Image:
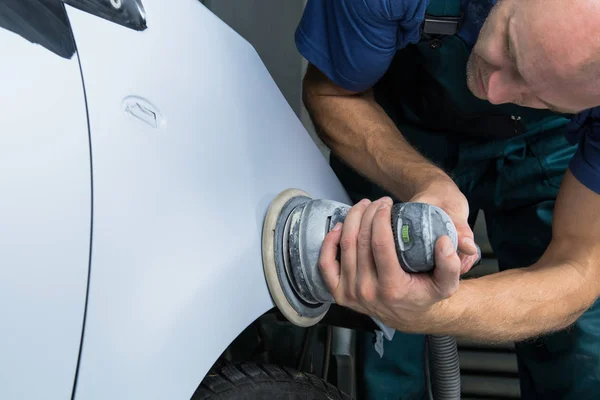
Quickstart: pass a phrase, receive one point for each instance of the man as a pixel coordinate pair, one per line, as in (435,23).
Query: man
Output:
(477,119)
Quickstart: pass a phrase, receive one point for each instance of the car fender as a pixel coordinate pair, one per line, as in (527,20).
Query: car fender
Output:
(191,140)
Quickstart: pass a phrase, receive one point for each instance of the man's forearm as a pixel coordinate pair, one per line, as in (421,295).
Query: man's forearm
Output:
(548,296)
(515,304)
(359,131)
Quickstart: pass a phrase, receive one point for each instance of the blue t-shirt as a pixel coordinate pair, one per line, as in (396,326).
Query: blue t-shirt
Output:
(353,42)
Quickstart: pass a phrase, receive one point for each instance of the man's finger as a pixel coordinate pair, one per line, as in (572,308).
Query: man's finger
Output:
(447,268)
(467,262)
(328,263)
(348,244)
(384,247)
(466,244)
(366,273)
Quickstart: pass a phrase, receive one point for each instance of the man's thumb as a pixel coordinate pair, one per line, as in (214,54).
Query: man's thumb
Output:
(447,268)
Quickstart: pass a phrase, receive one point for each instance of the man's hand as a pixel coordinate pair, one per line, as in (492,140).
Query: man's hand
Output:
(545,297)
(369,278)
(446,195)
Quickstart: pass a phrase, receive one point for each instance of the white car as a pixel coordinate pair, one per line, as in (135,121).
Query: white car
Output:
(141,143)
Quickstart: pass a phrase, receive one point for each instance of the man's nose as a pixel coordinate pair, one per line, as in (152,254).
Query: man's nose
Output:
(502,88)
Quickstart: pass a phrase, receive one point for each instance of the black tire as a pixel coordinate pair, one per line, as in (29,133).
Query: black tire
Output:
(253,382)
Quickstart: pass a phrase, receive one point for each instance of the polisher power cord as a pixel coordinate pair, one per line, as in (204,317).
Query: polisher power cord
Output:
(293,233)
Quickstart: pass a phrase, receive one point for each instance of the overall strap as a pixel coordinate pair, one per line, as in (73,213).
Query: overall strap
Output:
(442,17)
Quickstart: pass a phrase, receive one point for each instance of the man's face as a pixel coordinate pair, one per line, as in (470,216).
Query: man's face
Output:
(539,54)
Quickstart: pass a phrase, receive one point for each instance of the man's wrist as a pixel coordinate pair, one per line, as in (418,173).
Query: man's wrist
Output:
(432,180)
(407,183)
(437,179)
(440,319)
(437,319)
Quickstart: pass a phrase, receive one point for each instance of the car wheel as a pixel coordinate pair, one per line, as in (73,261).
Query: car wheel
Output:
(254,381)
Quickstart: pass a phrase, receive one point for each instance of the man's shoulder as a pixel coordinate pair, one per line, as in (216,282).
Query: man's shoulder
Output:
(353,41)
(584,127)
(396,10)
(584,130)
(583,121)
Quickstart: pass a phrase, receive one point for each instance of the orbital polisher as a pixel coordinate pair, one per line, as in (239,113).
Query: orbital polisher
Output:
(293,233)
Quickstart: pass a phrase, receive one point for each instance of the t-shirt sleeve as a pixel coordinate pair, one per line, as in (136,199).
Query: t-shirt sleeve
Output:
(585,165)
(353,41)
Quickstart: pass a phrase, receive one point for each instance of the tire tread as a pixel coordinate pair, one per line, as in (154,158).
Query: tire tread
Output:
(227,377)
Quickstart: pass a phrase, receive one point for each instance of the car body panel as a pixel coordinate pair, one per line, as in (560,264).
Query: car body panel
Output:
(191,140)
(45,212)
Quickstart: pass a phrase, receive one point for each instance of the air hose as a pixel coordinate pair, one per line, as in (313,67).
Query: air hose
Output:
(442,369)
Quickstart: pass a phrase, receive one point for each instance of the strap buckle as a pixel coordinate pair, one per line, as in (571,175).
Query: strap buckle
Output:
(433,25)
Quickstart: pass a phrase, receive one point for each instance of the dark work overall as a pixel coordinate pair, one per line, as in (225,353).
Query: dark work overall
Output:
(509,161)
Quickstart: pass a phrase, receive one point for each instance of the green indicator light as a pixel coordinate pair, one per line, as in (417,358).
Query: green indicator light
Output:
(405,235)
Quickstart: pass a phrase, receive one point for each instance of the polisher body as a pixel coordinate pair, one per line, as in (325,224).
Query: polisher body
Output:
(416,227)
(299,228)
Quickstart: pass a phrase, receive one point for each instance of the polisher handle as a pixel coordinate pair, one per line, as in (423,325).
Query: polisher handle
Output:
(417,227)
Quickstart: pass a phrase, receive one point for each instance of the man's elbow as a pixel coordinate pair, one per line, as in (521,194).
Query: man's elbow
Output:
(312,102)
(318,92)
(314,86)
(584,265)
(309,93)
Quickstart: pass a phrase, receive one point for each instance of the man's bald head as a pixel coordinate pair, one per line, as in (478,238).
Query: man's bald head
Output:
(540,54)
